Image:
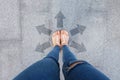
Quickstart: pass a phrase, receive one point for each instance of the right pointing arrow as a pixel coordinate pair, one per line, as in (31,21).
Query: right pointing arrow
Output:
(79,47)
(77,30)
(60,18)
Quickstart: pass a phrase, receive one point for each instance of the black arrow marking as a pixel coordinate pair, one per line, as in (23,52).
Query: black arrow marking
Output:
(79,47)
(77,30)
(42,47)
(42,29)
(60,18)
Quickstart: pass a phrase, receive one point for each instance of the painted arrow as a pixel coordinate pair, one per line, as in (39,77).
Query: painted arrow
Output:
(77,30)
(42,47)
(60,18)
(43,29)
(79,47)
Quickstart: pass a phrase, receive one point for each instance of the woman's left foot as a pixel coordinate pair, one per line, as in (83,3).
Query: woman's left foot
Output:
(56,38)
(64,37)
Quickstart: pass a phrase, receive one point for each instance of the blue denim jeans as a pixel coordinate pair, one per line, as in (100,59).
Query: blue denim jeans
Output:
(73,69)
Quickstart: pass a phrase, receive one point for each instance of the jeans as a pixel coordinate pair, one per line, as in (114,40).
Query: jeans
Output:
(73,69)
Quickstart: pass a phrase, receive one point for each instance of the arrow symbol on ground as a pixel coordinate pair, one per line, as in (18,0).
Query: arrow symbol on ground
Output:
(43,29)
(79,47)
(60,18)
(77,30)
(42,47)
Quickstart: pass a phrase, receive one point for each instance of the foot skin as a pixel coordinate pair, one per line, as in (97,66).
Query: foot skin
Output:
(56,38)
(64,37)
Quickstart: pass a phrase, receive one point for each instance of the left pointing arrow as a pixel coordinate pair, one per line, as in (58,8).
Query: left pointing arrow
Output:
(43,29)
(42,47)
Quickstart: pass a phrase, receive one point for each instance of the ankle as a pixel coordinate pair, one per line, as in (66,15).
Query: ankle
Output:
(64,44)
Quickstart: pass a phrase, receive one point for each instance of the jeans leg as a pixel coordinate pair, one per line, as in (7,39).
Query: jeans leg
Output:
(54,54)
(45,69)
(68,58)
(82,70)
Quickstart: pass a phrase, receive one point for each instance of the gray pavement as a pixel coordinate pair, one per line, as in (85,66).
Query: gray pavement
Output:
(21,36)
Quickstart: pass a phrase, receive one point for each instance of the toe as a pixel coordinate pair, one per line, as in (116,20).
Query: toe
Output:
(62,32)
(65,32)
(53,35)
(58,32)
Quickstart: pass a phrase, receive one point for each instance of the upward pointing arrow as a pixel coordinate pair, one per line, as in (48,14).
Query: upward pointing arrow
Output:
(60,18)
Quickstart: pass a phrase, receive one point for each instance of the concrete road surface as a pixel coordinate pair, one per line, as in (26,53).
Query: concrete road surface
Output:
(20,39)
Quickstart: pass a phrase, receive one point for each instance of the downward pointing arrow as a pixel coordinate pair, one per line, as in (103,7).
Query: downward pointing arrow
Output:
(79,47)
(60,18)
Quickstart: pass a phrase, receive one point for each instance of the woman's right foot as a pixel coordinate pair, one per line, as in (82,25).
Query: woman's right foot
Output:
(64,37)
(56,38)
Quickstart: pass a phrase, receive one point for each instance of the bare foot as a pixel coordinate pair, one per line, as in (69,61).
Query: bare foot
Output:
(64,37)
(56,38)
